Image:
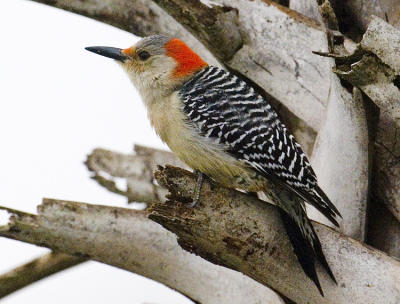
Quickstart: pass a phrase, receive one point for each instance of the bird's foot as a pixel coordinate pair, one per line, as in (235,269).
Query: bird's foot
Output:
(197,190)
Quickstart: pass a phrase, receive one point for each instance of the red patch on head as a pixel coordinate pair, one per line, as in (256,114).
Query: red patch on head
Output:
(188,61)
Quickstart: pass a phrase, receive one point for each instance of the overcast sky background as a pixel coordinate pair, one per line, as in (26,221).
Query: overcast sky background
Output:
(58,103)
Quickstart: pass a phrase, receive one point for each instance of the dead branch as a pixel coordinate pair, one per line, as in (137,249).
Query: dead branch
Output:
(375,68)
(272,36)
(245,234)
(272,45)
(340,159)
(228,228)
(139,17)
(36,270)
(125,238)
(341,153)
(137,169)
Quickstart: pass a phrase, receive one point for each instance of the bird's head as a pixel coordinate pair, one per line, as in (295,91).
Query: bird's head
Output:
(155,62)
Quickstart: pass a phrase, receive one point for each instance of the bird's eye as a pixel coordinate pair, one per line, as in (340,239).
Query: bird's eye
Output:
(144,55)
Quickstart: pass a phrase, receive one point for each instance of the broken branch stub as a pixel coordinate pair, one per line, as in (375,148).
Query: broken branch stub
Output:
(136,169)
(377,70)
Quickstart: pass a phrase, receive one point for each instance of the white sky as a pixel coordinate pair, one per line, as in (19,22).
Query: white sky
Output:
(57,103)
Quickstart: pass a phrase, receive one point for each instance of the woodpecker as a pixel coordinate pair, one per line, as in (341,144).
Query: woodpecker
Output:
(220,125)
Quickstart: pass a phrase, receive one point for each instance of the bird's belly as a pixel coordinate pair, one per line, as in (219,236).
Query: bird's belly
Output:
(198,152)
(208,158)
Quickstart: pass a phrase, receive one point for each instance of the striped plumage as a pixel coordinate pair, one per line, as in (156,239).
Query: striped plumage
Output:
(223,126)
(227,110)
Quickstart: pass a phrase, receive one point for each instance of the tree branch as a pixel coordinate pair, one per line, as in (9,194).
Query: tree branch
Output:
(139,17)
(271,37)
(245,234)
(137,170)
(341,160)
(387,165)
(383,229)
(308,8)
(375,68)
(125,238)
(341,153)
(36,270)
(227,227)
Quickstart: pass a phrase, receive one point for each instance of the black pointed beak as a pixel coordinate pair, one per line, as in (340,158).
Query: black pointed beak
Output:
(109,52)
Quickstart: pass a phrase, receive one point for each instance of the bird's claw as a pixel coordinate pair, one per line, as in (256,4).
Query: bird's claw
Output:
(197,190)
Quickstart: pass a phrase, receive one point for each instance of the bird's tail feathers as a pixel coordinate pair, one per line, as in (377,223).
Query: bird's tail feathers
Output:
(326,201)
(315,197)
(318,199)
(306,244)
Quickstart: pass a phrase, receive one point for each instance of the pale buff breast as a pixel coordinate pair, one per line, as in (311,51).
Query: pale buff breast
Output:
(197,151)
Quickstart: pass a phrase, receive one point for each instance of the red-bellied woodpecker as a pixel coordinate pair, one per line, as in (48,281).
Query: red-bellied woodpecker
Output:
(220,125)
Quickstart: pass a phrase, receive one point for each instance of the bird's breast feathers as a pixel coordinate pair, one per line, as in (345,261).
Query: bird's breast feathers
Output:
(197,151)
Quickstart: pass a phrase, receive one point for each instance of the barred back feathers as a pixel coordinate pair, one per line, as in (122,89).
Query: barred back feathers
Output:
(227,110)
(221,125)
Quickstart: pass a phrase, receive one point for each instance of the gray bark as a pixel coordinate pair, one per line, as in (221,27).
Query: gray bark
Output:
(228,228)
(277,54)
(36,270)
(308,8)
(340,160)
(375,69)
(342,172)
(127,239)
(234,246)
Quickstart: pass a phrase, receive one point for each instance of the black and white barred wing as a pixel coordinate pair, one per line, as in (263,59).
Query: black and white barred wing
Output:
(228,110)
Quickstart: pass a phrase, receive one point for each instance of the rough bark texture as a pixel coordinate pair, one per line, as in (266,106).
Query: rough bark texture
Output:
(216,26)
(375,69)
(387,165)
(277,54)
(227,227)
(136,169)
(230,228)
(127,239)
(384,217)
(375,66)
(342,172)
(381,42)
(246,234)
(36,270)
